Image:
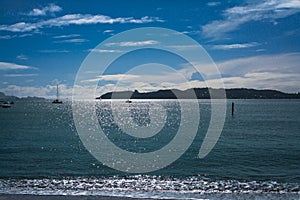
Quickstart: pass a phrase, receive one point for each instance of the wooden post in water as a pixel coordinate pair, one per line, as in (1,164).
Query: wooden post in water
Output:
(232,109)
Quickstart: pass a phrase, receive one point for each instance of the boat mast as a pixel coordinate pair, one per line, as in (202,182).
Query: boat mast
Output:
(57,91)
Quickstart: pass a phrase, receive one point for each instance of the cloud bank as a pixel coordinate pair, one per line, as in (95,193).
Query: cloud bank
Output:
(75,19)
(50,9)
(13,66)
(268,10)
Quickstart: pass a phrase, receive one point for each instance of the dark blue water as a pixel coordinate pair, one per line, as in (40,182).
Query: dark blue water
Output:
(258,152)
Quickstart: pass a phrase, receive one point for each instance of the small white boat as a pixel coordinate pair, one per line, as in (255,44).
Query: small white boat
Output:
(6,105)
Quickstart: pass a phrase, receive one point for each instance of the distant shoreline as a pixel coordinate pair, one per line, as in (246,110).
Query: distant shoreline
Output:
(199,93)
(212,196)
(65,197)
(202,93)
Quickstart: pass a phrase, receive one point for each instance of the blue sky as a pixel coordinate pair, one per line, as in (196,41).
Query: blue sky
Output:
(255,44)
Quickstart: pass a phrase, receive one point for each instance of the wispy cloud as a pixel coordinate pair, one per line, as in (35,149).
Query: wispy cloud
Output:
(66,36)
(75,40)
(108,31)
(6,37)
(13,66)
(268,10)
(113,77)
(133,43)
(183,47)
(53,51)
(235,46)
(213,3)
(75,19)
(105,50)
(50,9)
(20,75)
(22,57)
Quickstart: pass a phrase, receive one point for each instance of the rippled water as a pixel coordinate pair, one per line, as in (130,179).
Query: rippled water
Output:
(258,152)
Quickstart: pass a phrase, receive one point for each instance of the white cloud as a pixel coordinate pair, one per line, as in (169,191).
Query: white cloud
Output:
(235,46)
(75,19)
(183,47)
(66,36)
(108,31)
(19,75)
(268,10)
(50,9)
(53,51)
(214,3)
(75,40)
(21,27)
(288,4)
(8,37)
(48,91)
(70,38)
(133,43)
(25,35)
(106,50)
(114,77)
(22,57)
(139,43)
(13,66)
(24,91)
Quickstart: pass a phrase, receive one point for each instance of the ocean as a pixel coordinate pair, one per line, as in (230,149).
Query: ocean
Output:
(256,157)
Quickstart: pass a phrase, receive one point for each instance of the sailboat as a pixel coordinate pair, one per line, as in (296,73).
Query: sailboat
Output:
(57,101)
(128,100)
(6,104)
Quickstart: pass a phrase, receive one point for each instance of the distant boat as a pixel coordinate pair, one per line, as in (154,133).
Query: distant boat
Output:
(57,101)
(6,105)
(128,101)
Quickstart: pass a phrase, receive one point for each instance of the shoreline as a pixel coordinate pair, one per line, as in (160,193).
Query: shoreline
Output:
(214,196)
(68,197)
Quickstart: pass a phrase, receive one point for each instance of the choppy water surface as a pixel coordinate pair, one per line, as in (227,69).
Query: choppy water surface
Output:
(258,152)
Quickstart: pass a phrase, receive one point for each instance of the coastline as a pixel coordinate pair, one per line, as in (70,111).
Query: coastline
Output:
(214,196)
(66,197)
(58,197)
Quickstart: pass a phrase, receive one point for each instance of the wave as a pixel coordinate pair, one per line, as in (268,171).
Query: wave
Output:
(143,186)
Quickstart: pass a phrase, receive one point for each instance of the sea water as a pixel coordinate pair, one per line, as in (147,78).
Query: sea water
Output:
(256,156)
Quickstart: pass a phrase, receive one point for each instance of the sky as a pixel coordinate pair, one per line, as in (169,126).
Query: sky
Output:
(254,44)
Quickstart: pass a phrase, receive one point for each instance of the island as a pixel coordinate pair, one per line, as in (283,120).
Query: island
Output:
(202,93)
